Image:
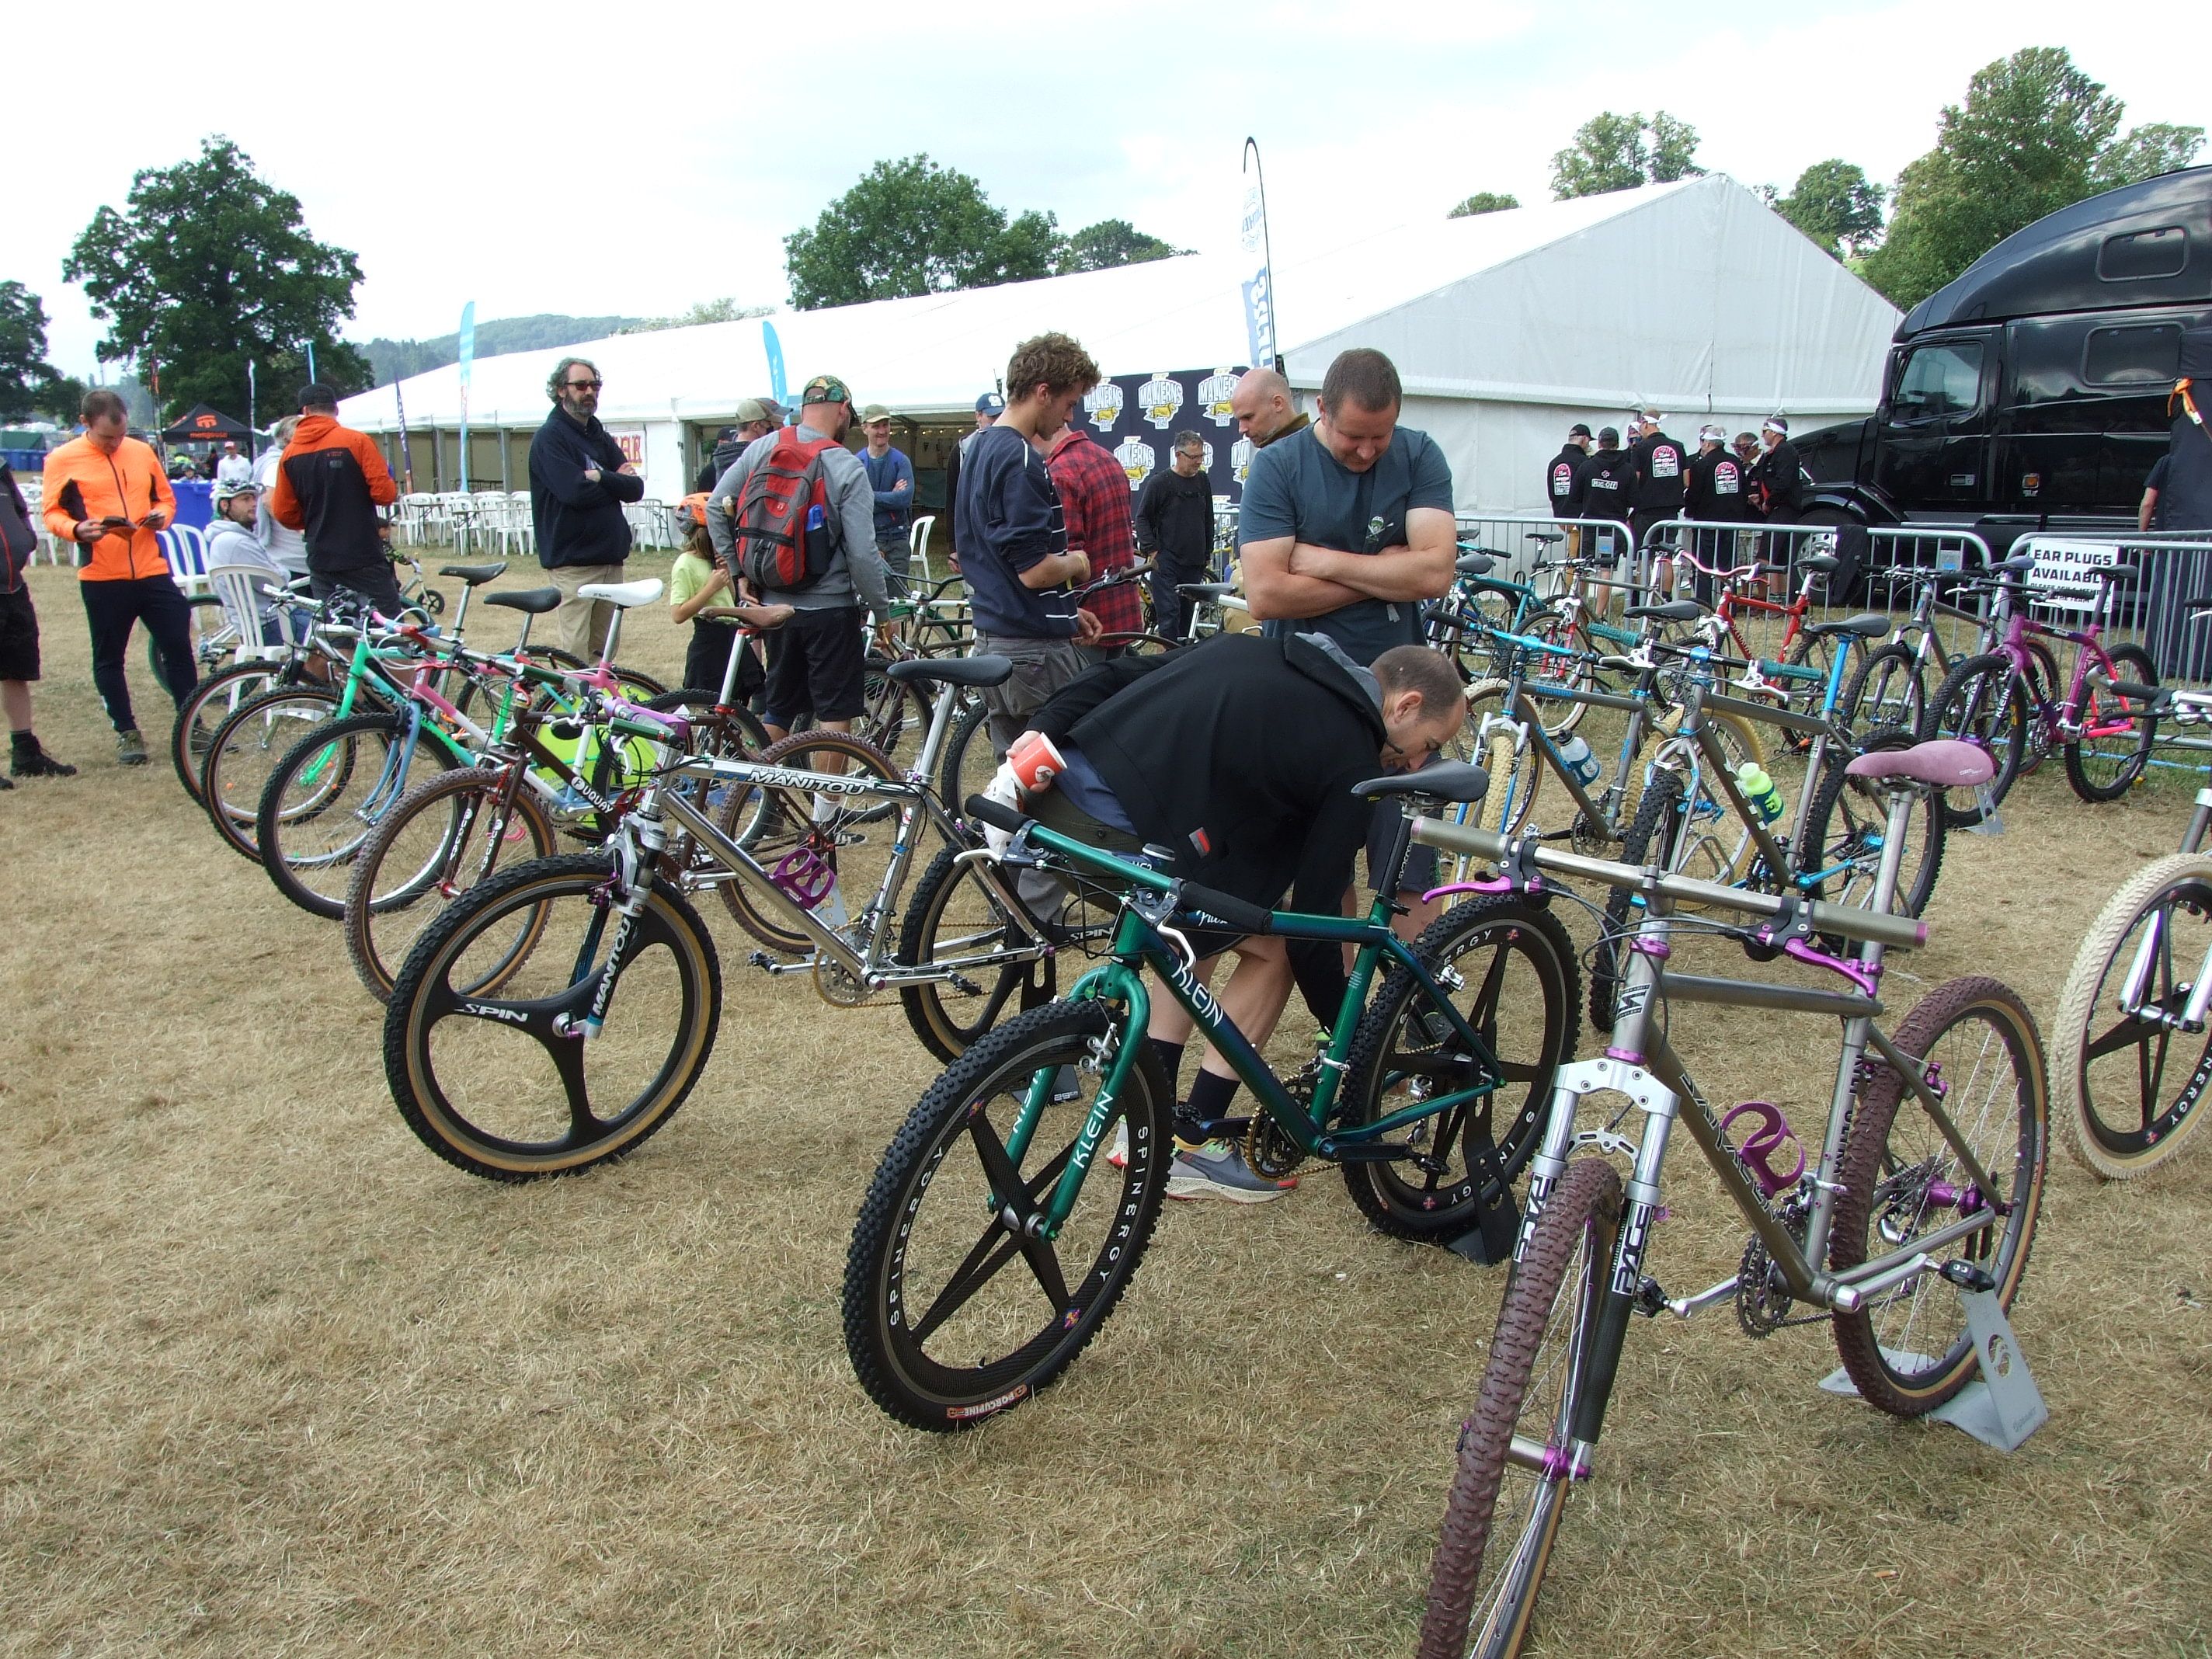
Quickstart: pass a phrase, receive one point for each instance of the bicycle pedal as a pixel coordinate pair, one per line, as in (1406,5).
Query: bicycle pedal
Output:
(1967,1276)
(1366,1151)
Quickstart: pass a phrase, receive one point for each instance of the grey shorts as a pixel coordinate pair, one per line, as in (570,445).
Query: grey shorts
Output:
(1041,668)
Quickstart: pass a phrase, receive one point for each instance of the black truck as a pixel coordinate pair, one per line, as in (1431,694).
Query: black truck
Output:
(2030,393)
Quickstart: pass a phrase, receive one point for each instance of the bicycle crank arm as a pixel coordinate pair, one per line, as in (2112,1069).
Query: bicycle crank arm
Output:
(1686,1307)
(769,964)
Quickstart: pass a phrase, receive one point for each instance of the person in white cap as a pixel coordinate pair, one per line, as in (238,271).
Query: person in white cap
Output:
(1712,492)
(1657,494)
(1776,484)
(233,469)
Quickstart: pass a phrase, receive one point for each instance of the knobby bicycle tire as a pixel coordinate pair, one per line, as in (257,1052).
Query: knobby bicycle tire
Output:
(310,827)
(224,690)
(1888,691)
(2103,769)
(1982,701)
(966,767)
(1569,1252)
(398,887)
(242,750)
(1838,851)
(950,1014)
(1898,1175)
(1649,842)
(481,1096)
(902,1289)
(2130,1088)
(1521,991)
(794,829)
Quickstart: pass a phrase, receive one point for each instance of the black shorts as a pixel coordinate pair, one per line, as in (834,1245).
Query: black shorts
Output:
(816,660)
(19,636)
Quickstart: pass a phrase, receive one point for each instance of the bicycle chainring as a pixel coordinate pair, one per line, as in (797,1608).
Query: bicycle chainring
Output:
(835,985)
(1272,1153)
(1763,1301)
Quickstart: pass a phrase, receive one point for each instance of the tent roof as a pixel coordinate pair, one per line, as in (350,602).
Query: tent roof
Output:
(201,422)
(1636,293)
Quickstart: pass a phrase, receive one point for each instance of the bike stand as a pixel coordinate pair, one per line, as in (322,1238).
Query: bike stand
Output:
(1490,1241)
(2002,1407)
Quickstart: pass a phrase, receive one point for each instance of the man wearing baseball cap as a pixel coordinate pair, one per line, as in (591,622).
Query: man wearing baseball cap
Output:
(988,408)
(1712,492)
(1657,494)
(756,416)
(1559,472)
(891,475)
(816,659)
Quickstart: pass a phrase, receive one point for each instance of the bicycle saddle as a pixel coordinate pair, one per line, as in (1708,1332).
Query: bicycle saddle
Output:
(1474,564)
(1825,564)
(1672,610)
(1206,590)
(535,600)
(1443,780)
(1866,625)
(196,600)
(474,575)
(623,594)
(1547,536)
(1944,761)
(2114,572)
(952,670)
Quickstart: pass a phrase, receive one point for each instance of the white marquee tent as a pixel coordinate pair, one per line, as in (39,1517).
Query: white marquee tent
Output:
(1505,327)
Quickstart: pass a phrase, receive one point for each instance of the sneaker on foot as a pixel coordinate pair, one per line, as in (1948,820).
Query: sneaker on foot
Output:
(130,749)
(1214,1169)
(5,784)
(1119,1158)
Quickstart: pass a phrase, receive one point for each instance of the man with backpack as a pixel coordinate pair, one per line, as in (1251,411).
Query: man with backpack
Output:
(794,518)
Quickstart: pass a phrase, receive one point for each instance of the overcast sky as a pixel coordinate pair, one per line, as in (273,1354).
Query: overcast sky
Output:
(626,159)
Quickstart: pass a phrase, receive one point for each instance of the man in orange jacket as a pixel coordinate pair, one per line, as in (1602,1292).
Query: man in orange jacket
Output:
(329,485)
(107,492)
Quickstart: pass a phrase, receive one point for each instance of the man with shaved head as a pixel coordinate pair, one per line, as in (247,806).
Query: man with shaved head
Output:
(1262,406)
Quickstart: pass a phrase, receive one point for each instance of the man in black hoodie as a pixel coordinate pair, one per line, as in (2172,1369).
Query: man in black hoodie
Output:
(577,492)
(1240,753)
(757,418)
(1559,472)
(1603,483)
(1659,462)
(1174,530)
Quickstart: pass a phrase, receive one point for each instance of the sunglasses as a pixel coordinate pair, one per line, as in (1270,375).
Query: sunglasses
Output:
(583,385)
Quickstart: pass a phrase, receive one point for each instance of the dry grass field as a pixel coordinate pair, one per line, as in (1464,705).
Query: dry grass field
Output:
(278,1382)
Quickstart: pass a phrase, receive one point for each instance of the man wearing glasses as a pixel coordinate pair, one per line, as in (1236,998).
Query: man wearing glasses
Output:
(579,484)
(1174,530)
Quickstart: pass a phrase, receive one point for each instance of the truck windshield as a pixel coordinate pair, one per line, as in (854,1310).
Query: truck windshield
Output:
(1941,379)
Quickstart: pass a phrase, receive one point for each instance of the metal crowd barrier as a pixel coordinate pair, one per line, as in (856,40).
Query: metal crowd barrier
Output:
(1504,536)
(2151,611)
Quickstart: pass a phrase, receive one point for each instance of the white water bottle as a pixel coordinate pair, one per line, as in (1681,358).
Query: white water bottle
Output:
(1579,760)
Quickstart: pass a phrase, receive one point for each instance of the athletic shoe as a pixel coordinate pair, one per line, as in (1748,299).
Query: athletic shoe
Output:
(1214,1169)
(5,784)
(130,749)
(1119,1158)
(29,760)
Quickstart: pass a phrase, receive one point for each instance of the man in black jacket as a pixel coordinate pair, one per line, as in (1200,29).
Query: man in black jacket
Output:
(757,418)
(1240,753)
(1776,484)
(1712,492)
(1657,497)
(1559,472)
(1174,530)
(1603,483)
(577,488)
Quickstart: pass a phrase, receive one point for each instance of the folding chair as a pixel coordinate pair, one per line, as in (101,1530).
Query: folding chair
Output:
(918,546)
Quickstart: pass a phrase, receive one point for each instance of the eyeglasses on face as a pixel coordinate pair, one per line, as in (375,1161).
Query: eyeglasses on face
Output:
(582,386)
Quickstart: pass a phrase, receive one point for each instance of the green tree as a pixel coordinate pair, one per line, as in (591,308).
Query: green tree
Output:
(912,226)
(725,310)
(60,398)
(1614,152)
(2035,135)
(1833,202)
(209,267)
(1483,201)
(24,371)
(1112,242)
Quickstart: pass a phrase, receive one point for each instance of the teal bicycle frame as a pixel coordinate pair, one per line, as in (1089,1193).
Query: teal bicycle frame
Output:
(1143,938)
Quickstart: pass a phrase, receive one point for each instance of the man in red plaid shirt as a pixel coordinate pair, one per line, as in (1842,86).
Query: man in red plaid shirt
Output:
(1094,499)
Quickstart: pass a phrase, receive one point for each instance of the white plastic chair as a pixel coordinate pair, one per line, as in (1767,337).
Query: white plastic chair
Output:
(524,524)
(239,586)
(186,550)
(917,544)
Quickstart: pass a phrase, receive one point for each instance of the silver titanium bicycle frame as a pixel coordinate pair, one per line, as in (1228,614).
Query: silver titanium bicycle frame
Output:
(1642,1065)
(647,827)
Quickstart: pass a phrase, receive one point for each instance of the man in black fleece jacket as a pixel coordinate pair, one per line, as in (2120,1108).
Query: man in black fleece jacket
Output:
(1174,530)
(577,492)
(1240,753)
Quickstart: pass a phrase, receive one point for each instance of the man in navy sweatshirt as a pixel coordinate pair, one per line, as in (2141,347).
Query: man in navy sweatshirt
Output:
(577,491)
(1013,538)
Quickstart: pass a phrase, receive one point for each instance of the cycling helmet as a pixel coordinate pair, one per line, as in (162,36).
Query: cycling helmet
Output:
(694,508)
(223,492)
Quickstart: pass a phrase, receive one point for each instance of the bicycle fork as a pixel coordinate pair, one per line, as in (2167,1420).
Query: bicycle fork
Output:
(628,887)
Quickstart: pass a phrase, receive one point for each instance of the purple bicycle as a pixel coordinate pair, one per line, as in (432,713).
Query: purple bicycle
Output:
(2004,700)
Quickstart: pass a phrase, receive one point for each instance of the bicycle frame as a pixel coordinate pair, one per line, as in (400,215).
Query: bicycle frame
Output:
(1144,938)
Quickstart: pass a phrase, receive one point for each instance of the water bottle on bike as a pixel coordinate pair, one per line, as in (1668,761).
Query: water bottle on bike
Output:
(1759,791)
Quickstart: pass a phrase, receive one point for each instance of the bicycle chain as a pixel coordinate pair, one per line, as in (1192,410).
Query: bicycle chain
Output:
(1274,1155)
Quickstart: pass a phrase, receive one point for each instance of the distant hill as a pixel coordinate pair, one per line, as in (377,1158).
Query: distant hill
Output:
(395,359)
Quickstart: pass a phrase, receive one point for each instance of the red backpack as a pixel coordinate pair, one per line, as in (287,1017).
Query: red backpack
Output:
(785,535)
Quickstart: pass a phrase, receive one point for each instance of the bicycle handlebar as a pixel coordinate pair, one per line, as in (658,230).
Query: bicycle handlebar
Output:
(1904,931)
